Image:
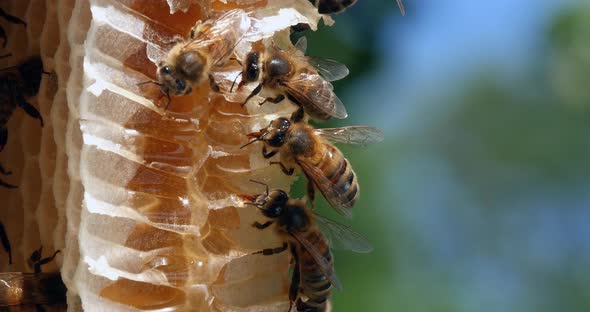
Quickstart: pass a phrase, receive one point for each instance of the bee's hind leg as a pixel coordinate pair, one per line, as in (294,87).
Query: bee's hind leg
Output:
(3,137)
(5,242)
(29,109)
(11,18)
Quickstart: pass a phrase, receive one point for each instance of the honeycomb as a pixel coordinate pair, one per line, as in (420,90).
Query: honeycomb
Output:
(141,201)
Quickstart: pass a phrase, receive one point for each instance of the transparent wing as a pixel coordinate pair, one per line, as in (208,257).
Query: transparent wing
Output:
(312,89)
(343,236)
(301,45)
(357,135)
(323,264)
(328,189)
(330,70)
(220,36)
(400,4)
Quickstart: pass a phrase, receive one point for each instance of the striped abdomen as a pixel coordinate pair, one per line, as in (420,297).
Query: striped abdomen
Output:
(340,186)
(314,285)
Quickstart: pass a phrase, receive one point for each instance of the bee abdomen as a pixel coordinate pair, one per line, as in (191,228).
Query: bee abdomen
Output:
(343,179)
(315,285)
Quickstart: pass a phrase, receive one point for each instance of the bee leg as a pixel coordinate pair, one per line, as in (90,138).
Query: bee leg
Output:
(11,18)
(45,261)
(272,251)
(254,92)
(3,137)
(267,154)
(285,170)
(295,279)
(4,171)
(3,37)
(298,115)
(28,108)
(6,185)
(213,84)
(277,99)
(262,226)
(5,242)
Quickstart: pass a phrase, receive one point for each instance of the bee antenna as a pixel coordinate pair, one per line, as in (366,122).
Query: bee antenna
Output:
(149,81)
(261,183)
(169,100)
(255,140)
(233,83)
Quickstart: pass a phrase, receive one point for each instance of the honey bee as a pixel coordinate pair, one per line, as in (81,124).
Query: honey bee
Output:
(311,150)
(29,290)
(16,83)
(304,80)
(308,237)
(337,6)
(189,62)
(11,19)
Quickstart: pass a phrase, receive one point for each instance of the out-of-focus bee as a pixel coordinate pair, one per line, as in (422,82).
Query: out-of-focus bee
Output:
(17,83)
(210,44)
(309,237)
(30,290)
(5,242)
(10,19)
(337,6)
(304,80)
(322,163)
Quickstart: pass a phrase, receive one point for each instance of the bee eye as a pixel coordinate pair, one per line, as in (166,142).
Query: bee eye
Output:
(166,70)
(180,85)
(274,211)
(277,140)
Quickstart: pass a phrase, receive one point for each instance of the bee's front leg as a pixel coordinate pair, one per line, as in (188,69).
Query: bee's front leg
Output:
(268,154)
(262,226)
(272,251)
(285,170)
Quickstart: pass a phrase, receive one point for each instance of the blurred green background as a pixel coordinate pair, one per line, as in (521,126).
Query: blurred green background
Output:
(478,200)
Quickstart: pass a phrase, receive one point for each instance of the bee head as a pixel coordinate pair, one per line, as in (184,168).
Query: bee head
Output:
(277,131)
(170,82)
(251,67)
(273,203)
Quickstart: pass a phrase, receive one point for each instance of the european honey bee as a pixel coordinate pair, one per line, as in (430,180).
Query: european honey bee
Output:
(311,149)
(11,19)
(190,62)
(29,290)
(304,80)
(304,233)
(337,6)
(16,83)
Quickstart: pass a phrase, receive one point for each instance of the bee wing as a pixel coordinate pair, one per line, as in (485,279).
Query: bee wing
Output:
(222,36)
(357,135)
(343,236)
(327,187)
(301,45)
(312,88)
(400,4)
(323,264)
(330,70)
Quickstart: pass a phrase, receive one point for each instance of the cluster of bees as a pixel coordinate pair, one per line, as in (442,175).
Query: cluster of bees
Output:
(304,81)
(17,83)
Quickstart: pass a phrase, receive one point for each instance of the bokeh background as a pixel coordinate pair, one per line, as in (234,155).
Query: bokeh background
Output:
(478,200)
